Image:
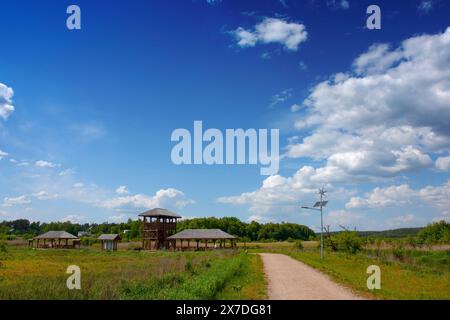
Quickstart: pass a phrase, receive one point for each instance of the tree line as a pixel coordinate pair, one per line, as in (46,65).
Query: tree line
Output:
(131,230)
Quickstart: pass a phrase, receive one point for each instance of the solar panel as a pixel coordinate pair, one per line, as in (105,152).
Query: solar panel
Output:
(317,204)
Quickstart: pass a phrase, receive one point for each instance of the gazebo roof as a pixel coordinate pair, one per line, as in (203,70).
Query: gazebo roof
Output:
(57,235)
(113,236)
(200,234)
(158,212)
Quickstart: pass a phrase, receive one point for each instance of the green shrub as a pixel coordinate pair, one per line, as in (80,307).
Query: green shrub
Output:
(347,241)
(3,247)
(88,241)
(298,245)
(399,253)
(436,233)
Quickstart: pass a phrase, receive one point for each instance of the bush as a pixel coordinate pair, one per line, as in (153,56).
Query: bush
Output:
(88,241)
(436,233)
(399,253)
(3,247)
(298,245)
(347,241)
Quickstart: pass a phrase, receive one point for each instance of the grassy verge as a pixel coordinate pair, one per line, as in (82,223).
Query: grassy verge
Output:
(41,274)
(250,284)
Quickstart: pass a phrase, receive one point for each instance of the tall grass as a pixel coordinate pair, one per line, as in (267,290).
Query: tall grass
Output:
(41,274)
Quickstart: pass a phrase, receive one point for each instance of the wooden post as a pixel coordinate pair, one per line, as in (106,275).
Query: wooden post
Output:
(197,244)
(189,244)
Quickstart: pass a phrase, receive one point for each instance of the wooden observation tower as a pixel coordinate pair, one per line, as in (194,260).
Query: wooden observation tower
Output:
(157,226)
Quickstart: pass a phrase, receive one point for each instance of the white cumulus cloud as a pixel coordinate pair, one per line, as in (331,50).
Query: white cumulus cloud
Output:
(6,107)
(443,163)
(386,116)
(45,164)
(163,198)
(122,190)
(3,154)
(402,195)
(272,30)
(20,200)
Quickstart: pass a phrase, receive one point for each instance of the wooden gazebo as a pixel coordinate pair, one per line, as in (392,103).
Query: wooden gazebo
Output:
(158,224)
(201,237)
(55,240)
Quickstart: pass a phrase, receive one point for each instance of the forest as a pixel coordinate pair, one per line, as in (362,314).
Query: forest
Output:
(131,229)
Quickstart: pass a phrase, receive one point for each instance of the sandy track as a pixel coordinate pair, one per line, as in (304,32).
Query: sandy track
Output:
(290,279)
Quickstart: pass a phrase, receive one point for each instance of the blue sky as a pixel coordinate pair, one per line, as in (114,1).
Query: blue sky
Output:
(86,115)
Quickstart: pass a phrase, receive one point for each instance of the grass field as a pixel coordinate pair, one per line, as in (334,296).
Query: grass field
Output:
(220,274)
(410,274)
(41,274)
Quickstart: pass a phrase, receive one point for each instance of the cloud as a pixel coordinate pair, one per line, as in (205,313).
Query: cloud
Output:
(387,116)
(377,59)
(45,164)
(284,3)
(443,163)
(67,172)
(344,4)
(295,107)
(302,66)
(425,6)
(163,198)
(280,97)
(122,190)
(43,195)
(118,219)
(266,56)
(384,197)
(213,2)
(73,218)
(259,219)
(280,194)
(272,30)
(338,4)
(6,107)
(3,154)
(20,200)
(403,195)
(21,163)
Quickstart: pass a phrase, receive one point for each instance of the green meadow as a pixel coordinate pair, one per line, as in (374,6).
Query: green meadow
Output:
(41,274)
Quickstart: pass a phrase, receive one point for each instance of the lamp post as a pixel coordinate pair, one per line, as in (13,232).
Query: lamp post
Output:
(318,206)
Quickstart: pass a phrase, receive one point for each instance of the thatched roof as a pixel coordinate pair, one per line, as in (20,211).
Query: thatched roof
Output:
(202,234)
(57,235)
(113,236)
(158,212)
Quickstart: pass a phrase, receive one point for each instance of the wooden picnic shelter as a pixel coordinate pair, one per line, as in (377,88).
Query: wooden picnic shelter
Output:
(201,238)
(55,240)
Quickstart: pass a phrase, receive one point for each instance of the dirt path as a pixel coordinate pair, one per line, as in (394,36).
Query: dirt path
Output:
(290,279)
